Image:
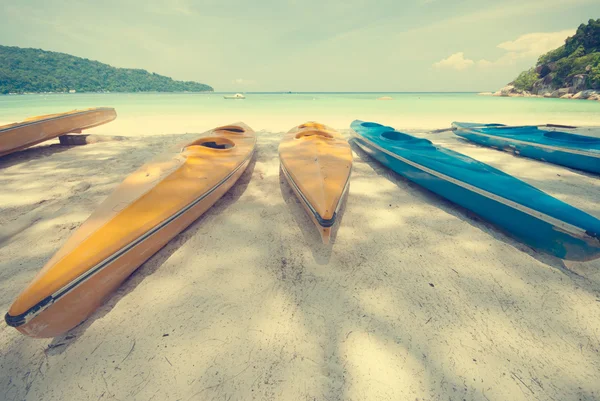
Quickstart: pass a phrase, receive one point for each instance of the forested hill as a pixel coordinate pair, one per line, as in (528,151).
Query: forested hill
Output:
(569,69)
(35,70)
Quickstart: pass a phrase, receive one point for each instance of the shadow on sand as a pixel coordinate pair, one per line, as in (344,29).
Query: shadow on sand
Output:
(461,213)
(59,344)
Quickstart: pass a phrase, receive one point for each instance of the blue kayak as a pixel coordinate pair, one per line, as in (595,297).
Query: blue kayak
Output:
(571,150)
(532,216)
(457,125)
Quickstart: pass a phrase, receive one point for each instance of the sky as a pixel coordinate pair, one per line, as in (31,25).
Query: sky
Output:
(305,45)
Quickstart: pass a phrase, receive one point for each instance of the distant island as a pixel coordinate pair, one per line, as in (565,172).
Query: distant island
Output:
(570,72)
(34,71)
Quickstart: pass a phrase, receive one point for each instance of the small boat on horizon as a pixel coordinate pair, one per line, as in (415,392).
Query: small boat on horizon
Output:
(528,214)
(236,96)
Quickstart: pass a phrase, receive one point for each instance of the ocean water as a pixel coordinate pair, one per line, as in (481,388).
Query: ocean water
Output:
(157,112)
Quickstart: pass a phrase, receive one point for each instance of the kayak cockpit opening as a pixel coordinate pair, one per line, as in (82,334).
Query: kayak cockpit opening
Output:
(323,134)
(410,140)
(313,124)
(565,136)
(371,125)
(313,128)
(396,136)
(232,129)
(217,143)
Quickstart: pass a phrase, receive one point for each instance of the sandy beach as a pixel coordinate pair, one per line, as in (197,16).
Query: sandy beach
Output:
(416,299)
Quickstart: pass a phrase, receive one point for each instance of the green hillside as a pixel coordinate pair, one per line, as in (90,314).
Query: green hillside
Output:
(35,70)
(574,65)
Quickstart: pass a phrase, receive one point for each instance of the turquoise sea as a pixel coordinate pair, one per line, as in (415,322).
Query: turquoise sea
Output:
(280,111)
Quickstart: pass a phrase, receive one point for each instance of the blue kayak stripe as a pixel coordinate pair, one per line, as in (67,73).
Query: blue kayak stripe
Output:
(574,230)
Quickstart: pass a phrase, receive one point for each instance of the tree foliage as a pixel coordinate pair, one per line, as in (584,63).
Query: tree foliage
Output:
(585,41)
(526,79)
(35,70)
(579,55)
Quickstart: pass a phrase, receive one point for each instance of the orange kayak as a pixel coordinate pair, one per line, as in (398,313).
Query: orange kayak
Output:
(146,211)
(34,130)
(316,161)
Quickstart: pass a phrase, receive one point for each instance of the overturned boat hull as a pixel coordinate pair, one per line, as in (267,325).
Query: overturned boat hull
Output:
(17,136)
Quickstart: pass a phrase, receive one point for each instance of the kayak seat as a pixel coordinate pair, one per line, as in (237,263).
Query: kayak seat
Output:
(397,136)
(564,136)
(371,125)
(217,143)
(409,140)
(311,132)
(231,129)
(312,124)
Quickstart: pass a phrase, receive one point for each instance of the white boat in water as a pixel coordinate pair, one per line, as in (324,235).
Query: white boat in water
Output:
(236,96)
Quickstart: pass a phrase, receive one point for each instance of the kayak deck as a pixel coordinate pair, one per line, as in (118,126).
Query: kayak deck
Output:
(317,161)
(151,206)
(472,184)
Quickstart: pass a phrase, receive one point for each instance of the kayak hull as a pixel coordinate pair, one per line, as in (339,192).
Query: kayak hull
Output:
(585,158)
(522,223)
(18,136)
(316,162)
(57,314)
(465,125)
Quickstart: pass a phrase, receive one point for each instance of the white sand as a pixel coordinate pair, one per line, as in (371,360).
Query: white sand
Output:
(415,300)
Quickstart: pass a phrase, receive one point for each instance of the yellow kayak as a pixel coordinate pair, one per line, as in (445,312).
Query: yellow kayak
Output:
(34,130)
(316,161)
(147,210)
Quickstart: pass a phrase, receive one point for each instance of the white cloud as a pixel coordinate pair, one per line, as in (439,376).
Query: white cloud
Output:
(528,46)
(536,44)
(457,61)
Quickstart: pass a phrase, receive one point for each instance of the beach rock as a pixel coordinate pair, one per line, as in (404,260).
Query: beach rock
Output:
(594,96)
(542,70)
(567,96)
(485,93)
(586,94)
(541,86)
(507,90)
(579,82)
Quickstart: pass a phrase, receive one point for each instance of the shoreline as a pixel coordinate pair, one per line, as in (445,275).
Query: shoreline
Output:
(562,93)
